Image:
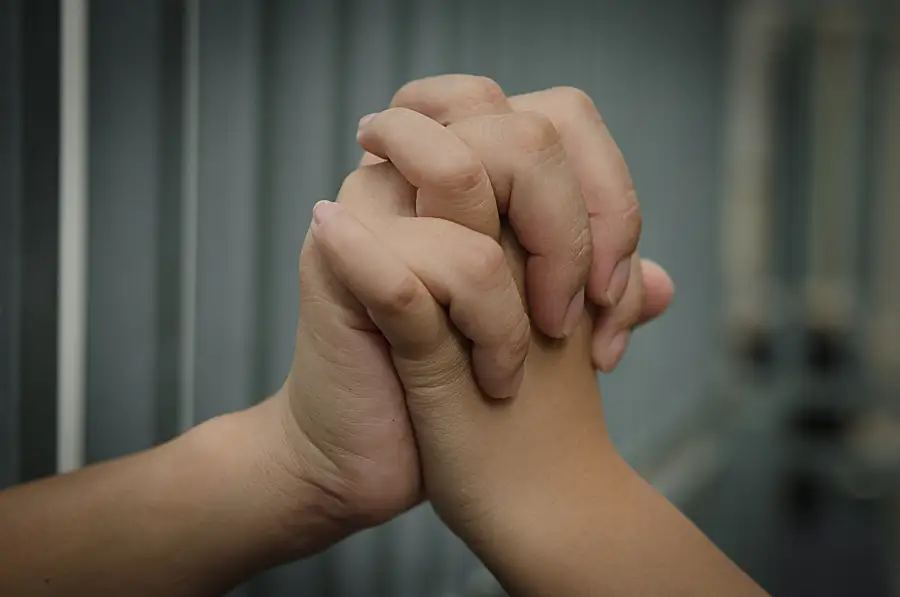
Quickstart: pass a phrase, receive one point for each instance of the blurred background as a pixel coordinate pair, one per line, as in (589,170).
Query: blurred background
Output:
(159,160)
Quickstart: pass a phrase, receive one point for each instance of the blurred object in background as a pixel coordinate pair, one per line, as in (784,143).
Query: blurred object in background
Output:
(758,44)
(764,140)
(883,329)
(837,116)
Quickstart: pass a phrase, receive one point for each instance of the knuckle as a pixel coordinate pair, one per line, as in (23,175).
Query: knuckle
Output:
(401,296)
(575,102)
(459,172)
(483,261)
(482,90)
(408,91)
(469,92)
(533,132)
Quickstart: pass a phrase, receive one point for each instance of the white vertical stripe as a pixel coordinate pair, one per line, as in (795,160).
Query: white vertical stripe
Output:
(73,231)
(189,217)
(757,41)
(833,212)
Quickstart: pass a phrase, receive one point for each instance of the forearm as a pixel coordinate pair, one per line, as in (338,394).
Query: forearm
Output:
(604,531)
(192,517)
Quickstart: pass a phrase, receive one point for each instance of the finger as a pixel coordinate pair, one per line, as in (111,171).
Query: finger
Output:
(468,273)
(451,98)
(613,330)
(605,183)
(451,180)
(394,297)
(369,160)
(396,301)
(499,328)
(378,189)
(658,289)
(550,219)
(399,298)
(537,189)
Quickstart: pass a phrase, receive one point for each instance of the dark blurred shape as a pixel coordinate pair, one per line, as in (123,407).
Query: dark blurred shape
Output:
(29,137)
(802,498)
(822,423)
(757,349)
(826,352)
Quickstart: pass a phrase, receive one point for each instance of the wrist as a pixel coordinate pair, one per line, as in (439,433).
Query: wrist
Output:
(603,531)
(568,454)
(526,521)
(271,488)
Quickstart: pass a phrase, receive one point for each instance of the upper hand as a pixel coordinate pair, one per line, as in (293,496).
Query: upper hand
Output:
(631,291)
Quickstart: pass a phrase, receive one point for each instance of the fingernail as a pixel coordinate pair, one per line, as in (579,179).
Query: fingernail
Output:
(615,350)
(364,121)
(573,314)
(618,282)
(323,210)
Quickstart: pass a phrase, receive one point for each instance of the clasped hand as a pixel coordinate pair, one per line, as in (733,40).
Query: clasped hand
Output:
(439,353)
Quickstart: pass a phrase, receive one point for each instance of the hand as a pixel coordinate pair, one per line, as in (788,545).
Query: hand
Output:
(631,291)
(533,485)
(473,450)
(343,389)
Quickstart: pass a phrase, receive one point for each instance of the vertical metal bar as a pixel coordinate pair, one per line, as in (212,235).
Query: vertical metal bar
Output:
(263,349)
(127,147)
(170,145)
(342,153)
(189,218)
(39,147)
(10,237)
(73,234)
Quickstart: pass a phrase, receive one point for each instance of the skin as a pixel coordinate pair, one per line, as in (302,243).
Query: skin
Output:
(629,291)
(372,402)
(343,381)
(533,485)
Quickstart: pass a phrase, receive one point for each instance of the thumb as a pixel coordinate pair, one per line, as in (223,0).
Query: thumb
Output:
(659,290)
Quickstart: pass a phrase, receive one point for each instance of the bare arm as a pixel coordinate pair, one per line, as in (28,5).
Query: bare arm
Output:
(592,526)
(191,517)
(534,484)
